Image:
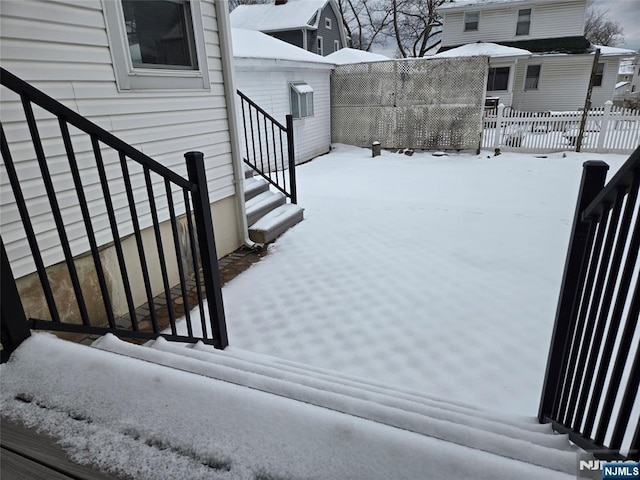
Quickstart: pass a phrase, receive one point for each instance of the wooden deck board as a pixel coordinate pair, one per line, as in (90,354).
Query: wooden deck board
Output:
(32,455)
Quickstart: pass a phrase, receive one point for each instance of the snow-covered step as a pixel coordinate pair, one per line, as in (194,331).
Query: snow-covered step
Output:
(275,223)
(248,171)
(262,204)
(468,428)
(254,186)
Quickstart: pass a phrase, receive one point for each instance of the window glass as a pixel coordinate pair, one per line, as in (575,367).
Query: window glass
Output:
(471,20)
(320,49)
(498,79)
(532,78)
(524,22)
(597,79)
(327,23)
(158,33)
(301,95)
(336,45)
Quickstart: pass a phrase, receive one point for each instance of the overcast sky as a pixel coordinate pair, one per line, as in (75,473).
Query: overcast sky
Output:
(627,13)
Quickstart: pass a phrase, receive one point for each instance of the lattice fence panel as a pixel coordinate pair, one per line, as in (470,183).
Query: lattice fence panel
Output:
(417,103)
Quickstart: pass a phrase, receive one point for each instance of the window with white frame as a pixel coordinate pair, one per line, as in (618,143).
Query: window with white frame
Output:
(336,45)
(327,23)
(524,22)
(157,44)
(471,21)
(532,77)
(319,46)
(301,95)
(599,75)
(498,79)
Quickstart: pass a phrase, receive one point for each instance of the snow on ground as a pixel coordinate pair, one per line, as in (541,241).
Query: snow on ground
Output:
(437,274)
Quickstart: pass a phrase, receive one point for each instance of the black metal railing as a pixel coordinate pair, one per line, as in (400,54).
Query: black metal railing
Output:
(269,147)
(139,184)
(593,370)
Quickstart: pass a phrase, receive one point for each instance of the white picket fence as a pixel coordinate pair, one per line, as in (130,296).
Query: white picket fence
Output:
(608,130)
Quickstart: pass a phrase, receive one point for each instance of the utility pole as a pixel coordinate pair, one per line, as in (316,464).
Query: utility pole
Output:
(587,101)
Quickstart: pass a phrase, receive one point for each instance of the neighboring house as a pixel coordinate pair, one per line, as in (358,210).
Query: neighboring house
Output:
(131,68)
(629,72)
(283,80)
(556,75)
(314,25)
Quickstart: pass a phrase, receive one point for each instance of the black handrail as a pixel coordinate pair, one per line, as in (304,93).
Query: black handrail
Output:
(262,135)
(200,244)
(596,319)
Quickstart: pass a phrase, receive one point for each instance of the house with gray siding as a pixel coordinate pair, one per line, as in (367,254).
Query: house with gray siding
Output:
(314,25)
(555,76)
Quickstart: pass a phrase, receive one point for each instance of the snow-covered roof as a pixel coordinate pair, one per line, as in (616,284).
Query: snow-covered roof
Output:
(352,55)
(252,44)
(270,17)
(612,51)
(492,50)
(621,84)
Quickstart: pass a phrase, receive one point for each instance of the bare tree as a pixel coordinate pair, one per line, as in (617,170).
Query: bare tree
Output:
(417,26)
(600,30)
(365,21)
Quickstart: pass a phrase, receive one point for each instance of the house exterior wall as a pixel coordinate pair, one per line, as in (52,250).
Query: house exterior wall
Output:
(63,48)
(266,82)
(294,37)
(329,36)
(498,24)
(563,83)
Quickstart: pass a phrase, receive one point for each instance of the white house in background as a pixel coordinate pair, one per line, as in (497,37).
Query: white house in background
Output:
(271,72)
(502,62)
(108,62)
(314,25)
(556,75)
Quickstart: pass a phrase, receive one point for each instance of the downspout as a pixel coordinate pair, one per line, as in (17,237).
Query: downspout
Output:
(226,54)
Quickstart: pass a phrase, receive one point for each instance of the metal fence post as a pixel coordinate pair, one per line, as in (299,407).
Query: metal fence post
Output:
(593,179)
(207,242)
(292,160)
(15,328)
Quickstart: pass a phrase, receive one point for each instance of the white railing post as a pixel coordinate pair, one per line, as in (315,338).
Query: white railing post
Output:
(604,126)
(498,130)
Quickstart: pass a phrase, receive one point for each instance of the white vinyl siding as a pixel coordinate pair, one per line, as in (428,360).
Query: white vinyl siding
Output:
(267,82)
(62,48)
(498,24)
(563,83)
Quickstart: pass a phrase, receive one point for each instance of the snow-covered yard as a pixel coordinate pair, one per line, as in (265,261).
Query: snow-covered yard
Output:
(438,274)
(429,274)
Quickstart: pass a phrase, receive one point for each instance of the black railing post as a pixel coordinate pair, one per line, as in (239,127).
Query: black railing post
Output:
(207,243)
(291,152)
(593,178)
(14,329)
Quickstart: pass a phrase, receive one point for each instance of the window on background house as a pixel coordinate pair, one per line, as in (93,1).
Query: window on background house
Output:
(320,46)
(498,79)
(532,77)
(157,44)
(597,79)
(524,22)
(336,45)
(327,23)
(301,96)
(471,21)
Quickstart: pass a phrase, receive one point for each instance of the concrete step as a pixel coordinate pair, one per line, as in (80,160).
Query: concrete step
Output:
(254,186)
(489,432)
(248,171)
(262,204)
(275,223)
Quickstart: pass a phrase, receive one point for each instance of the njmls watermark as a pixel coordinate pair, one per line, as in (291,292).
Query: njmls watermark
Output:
(606,467)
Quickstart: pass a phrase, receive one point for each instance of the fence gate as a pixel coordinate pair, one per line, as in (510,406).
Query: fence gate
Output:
(414,103)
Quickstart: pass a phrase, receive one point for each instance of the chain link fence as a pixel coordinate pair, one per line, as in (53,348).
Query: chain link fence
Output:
(414,103)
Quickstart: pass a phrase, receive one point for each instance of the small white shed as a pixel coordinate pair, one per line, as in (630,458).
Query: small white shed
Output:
(275,75)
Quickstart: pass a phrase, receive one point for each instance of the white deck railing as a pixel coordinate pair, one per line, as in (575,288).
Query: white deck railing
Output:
(607,130)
